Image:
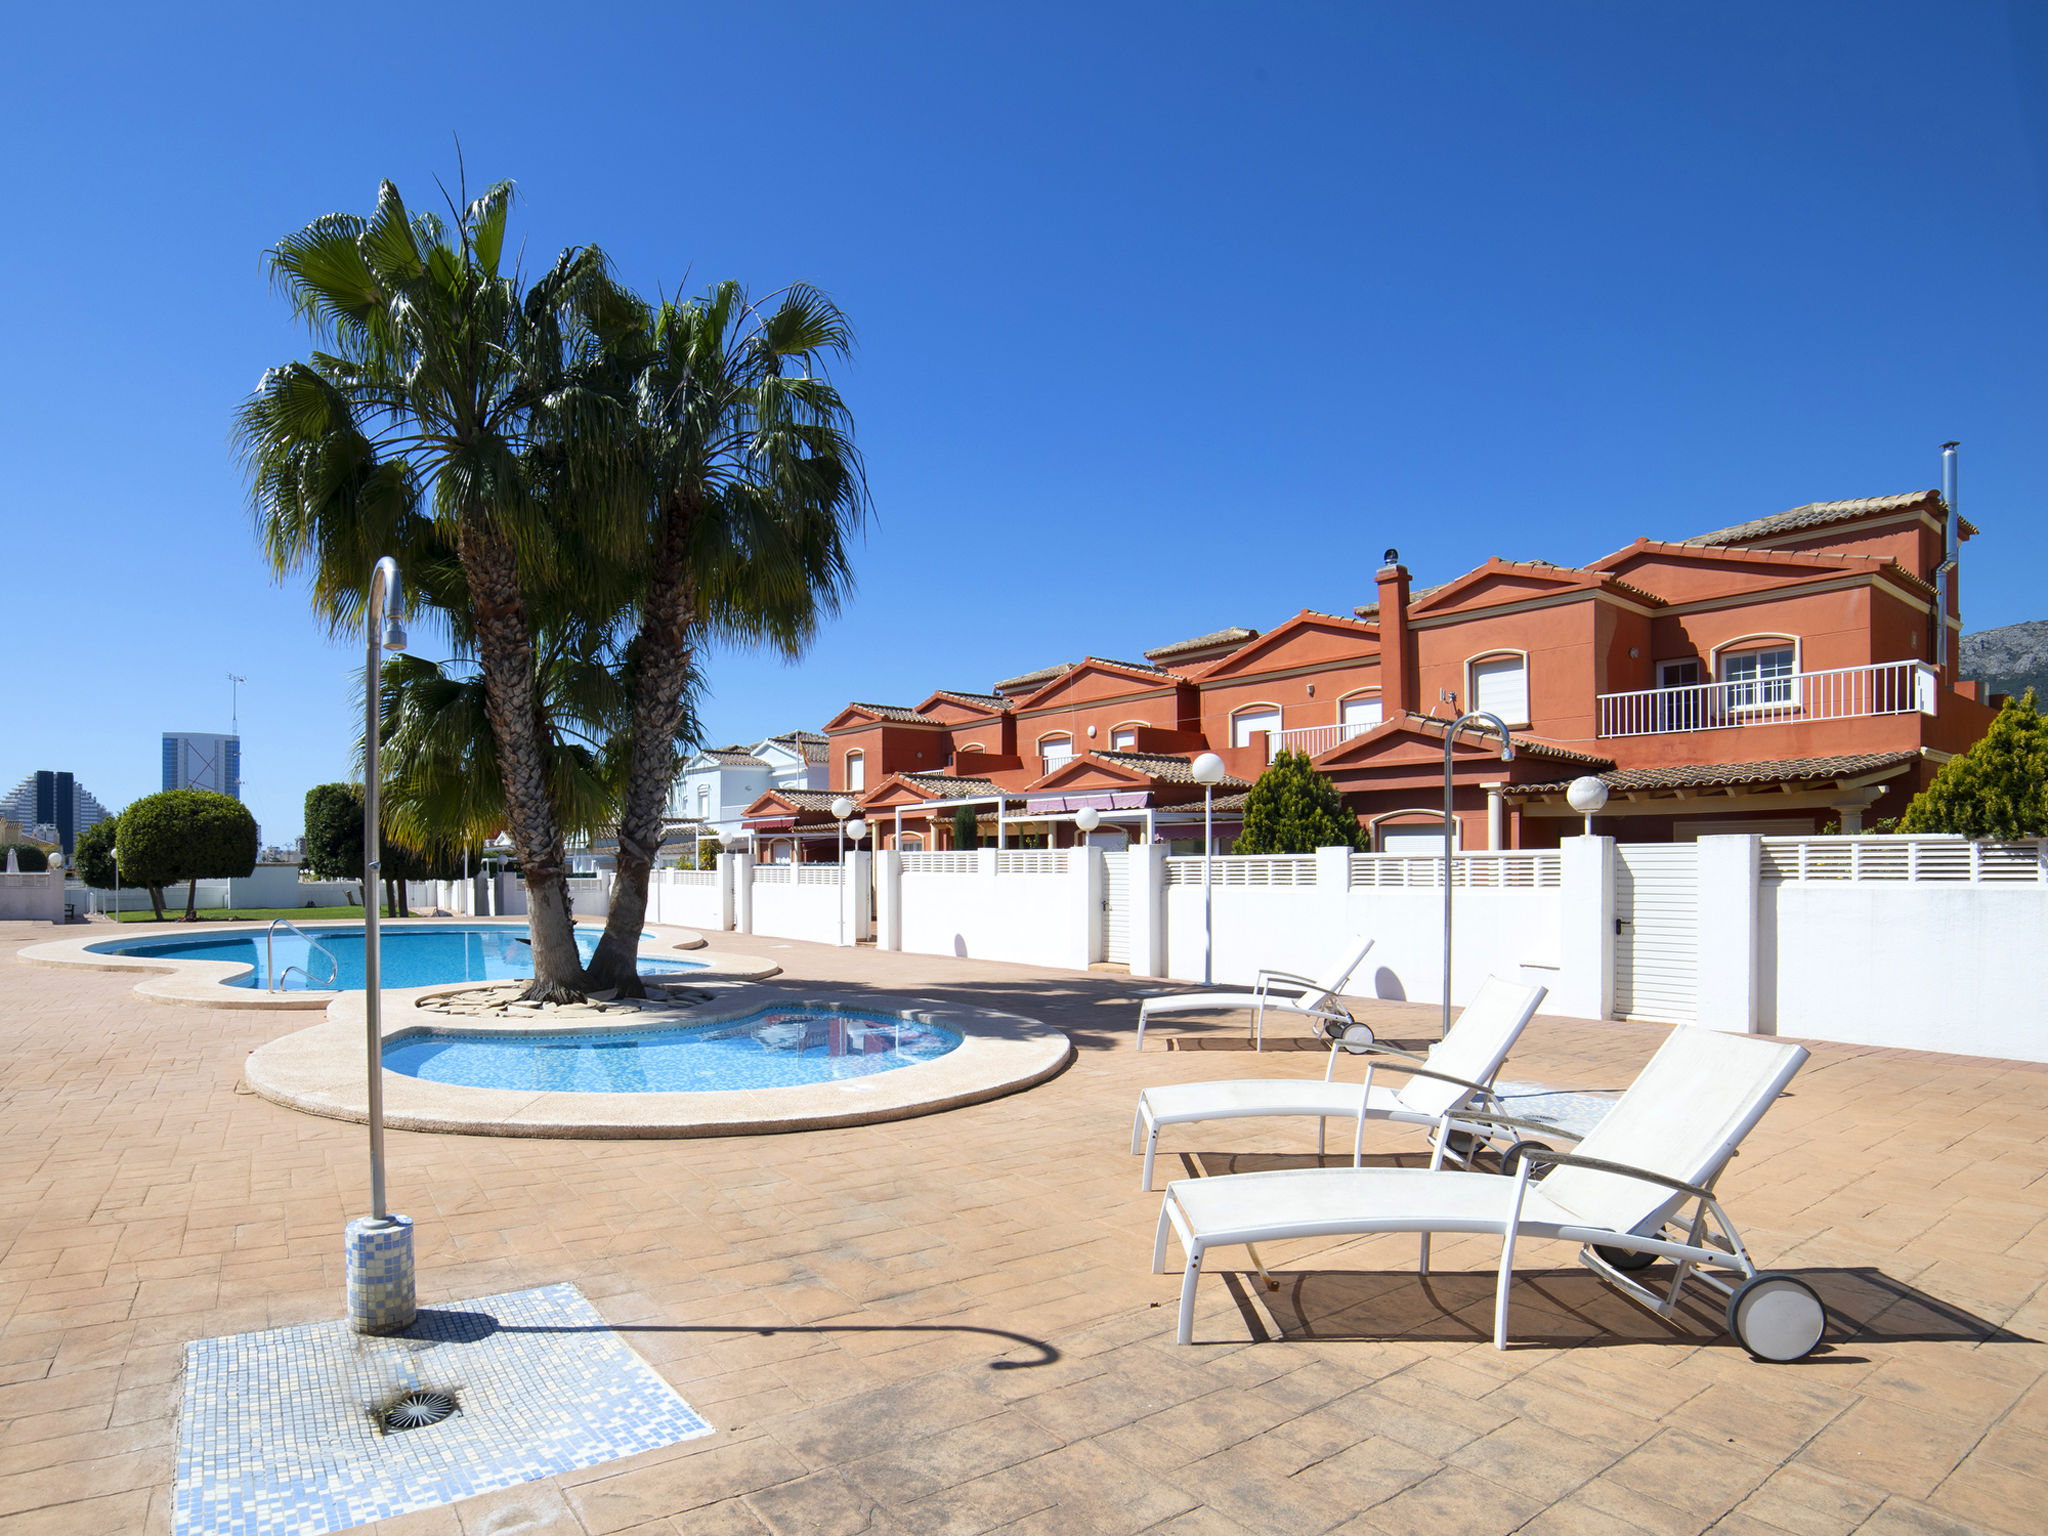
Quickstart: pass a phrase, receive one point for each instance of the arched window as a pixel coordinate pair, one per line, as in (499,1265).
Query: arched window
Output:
(1248,720)
(856,770)
(1055,749)
(1124,738)
(913,842)
(1359,712)
(1758,672)
(1499,684)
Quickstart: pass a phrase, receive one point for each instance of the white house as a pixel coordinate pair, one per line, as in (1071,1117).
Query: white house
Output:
(715,786)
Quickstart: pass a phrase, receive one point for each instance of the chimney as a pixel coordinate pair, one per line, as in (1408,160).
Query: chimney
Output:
(1398,685)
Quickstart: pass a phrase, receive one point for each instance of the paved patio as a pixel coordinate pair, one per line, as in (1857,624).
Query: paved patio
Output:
(947,1325)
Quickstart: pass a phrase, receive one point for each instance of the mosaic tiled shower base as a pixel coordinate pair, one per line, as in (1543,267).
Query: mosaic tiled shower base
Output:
(278,1433)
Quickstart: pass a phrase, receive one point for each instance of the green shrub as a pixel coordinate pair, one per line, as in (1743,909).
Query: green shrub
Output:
(1996,791)
(334,831)
(1294,809)
(185,834)
(29,858)
(966,828)
(92,856)
(707,853)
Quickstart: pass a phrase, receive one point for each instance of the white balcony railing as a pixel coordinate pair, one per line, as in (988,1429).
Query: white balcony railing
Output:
(1313,739)
(1845,693)
(1051,760)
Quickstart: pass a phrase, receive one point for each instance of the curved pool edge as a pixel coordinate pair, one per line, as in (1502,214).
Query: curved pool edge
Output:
(319,1071)
(210,983)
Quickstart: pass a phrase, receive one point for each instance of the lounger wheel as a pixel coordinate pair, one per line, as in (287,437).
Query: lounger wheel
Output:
(1777,1317)
(1626,1260)
(1353,1037)
(1511,1160)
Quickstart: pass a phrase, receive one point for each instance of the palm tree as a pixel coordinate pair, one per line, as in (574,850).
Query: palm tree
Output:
(750,490)
(415,432)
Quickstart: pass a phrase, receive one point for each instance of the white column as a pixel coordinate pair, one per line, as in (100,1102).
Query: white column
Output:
(1728,873)
(1585,983)
(1148,907)
(853,894)
(889,899)
(1496,818)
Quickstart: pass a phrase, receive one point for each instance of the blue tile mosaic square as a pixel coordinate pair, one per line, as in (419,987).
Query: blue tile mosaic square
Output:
(281,1432)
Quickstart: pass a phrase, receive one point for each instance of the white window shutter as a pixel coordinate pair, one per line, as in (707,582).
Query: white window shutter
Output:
(1501,687)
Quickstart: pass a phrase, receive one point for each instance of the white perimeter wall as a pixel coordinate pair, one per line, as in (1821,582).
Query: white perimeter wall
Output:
(1509,933)
(1926,967)
(689,898)
(794,910)
(1034,919)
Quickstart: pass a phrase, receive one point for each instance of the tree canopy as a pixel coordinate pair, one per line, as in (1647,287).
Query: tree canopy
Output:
(189,835)
(1996,791)
(966,827)
(334,831)
(1294,809)
(92,856)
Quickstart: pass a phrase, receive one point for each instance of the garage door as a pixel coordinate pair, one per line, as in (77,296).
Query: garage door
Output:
(1657,932)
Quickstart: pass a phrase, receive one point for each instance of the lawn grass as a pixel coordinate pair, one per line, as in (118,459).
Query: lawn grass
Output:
(257,914)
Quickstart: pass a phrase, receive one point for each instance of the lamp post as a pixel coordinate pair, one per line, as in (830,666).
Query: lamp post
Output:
(1507,755)
(380,1270)
(1587,796)
(841,809)
(1086,820)
(1208,772)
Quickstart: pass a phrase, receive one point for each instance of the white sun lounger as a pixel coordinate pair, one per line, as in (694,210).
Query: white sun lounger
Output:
(1458,1072)
(1641,1183)
(1307,996)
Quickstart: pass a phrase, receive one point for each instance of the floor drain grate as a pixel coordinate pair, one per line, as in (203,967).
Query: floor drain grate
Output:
(416,1410)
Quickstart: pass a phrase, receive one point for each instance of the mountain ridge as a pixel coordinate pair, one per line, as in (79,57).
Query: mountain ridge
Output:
(2010,659)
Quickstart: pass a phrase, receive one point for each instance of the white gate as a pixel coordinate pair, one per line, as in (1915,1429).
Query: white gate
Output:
(1657,931)
(1116,906)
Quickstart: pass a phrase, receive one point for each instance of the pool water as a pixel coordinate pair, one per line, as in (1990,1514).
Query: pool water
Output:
(773,1048)
(413,957)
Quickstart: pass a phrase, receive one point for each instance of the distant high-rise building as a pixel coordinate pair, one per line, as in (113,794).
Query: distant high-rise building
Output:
(196,760)
(53,808)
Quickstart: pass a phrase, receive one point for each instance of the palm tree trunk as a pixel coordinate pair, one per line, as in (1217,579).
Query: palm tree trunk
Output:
(666,630)
(511,702)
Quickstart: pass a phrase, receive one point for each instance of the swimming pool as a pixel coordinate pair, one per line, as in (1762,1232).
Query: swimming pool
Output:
(413,957)
(779,1047)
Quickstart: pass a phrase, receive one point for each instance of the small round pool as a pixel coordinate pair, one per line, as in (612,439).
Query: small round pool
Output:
(413,957)
(779,1047)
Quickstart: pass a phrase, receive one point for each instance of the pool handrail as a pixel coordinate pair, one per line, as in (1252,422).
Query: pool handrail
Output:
(275,981)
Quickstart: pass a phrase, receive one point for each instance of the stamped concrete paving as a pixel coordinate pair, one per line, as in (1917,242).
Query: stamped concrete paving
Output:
(947,1325)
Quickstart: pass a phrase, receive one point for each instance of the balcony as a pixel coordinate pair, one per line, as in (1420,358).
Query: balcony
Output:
(1314,739)
(1845,693)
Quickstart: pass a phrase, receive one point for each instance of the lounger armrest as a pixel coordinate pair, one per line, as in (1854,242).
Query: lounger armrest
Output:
(1376,1048)
(1267,974)
(1601,1165)
(1443,1077)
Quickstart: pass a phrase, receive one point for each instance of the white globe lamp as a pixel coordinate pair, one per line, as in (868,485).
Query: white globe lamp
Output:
(1587,796)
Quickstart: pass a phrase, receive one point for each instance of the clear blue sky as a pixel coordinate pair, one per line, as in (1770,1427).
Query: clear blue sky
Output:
(1171,317)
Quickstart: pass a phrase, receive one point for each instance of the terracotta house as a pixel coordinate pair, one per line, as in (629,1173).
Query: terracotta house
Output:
(1784,674)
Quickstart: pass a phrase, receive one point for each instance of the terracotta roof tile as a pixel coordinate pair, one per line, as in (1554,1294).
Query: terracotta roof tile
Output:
(901,712)
(983,700)
(1161,765)
(1026,681)
(951,786)
(1529,746)
(734,756)
(1235,634)
(1823,514)
(1718,775)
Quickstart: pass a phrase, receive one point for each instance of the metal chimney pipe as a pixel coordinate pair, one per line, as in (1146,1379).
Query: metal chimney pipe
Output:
(1951,551)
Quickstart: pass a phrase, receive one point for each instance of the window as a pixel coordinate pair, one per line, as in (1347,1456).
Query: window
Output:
(1055,750)
(1500,686)
(1124,739)
(1359,713)
(974,746)
(1678,674)
(703,802)
(1758,678)
(1247,723)
(856,770)
(913,842)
